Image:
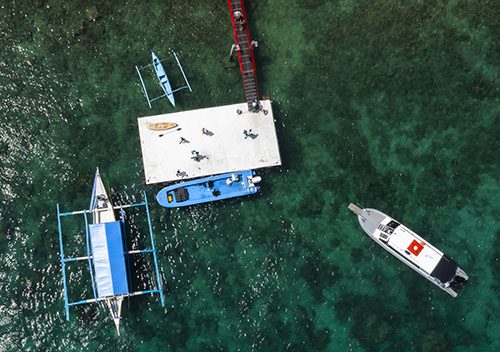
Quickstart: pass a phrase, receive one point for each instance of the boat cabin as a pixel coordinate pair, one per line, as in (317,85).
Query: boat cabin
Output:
(180,194)
(415,250)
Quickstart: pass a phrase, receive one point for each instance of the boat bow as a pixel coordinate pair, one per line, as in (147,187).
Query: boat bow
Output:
(115,307)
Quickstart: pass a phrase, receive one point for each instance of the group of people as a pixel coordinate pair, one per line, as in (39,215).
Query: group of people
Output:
(204,131)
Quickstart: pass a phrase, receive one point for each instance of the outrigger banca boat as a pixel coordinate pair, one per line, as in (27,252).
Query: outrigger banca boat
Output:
(163,79)
(209,189)
(107,255)
(412,249)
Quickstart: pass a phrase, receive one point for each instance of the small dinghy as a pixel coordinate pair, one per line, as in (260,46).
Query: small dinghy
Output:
(209,189)
(161,126)
(412,249)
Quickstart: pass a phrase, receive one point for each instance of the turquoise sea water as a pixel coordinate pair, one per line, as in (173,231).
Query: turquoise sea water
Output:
(389,104)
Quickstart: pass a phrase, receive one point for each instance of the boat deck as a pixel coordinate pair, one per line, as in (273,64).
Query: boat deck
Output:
(224,147)
(208,189)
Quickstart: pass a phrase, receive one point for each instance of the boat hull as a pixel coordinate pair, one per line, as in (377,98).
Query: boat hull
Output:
(209,189)
(163,78)
(100,205)
(443,272)
(161,126)
(103,212)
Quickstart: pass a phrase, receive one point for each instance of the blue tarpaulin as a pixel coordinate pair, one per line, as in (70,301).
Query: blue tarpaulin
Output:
(109,259)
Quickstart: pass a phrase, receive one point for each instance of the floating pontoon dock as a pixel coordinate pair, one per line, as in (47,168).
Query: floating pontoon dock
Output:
(217,135)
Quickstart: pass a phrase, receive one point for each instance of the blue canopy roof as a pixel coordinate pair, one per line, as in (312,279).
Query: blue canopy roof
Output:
(109,259)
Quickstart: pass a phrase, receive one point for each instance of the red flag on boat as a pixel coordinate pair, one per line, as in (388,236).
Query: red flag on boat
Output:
(416,247)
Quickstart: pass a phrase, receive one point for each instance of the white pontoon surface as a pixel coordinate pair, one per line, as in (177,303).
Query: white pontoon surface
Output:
(208,142)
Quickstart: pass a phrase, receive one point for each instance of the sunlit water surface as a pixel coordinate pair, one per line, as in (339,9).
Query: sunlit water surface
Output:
(393,105)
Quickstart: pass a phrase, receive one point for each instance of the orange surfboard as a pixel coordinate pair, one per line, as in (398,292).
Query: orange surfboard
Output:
(161,126)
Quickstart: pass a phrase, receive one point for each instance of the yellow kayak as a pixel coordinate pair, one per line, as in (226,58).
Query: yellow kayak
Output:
(161,126)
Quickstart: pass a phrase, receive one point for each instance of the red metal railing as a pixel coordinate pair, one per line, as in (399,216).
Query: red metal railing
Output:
(245,52)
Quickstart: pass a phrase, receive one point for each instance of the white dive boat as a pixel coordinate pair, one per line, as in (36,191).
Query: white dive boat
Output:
(412,249)
(103,213)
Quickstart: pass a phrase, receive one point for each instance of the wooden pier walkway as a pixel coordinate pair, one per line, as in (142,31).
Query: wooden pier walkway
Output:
(244,48)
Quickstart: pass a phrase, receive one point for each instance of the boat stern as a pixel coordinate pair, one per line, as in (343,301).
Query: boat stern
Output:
(252,180)
(457,283)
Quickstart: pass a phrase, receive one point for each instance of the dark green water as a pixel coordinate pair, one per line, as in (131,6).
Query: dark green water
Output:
(390,104)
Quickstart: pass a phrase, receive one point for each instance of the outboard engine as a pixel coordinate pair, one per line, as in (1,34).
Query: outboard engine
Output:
(252,180)
(256,179)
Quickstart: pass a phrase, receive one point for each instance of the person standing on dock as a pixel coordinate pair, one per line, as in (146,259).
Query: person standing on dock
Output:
(206,132)
(247,133)
(181,174)
(255,106)
(197,156)
(242,25)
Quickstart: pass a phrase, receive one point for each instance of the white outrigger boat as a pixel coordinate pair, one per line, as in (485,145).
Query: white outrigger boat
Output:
(411,249)
(109,285)
(107,253)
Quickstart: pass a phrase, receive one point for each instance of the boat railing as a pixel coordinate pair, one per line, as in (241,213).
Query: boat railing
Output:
(244,47)
(100,299)
(87,240)
(87,257)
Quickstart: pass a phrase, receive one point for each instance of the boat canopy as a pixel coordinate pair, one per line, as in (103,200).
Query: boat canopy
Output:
(109,259)
(181,194)
(445,270)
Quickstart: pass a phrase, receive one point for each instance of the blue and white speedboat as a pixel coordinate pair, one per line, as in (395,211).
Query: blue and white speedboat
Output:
(163,78)
(209,189)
